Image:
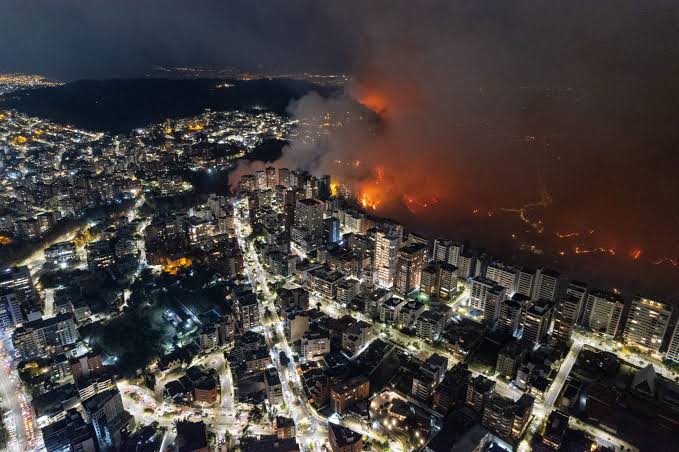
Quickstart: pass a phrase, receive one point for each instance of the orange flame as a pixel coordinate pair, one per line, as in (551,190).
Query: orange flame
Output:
(598,250)
(416,203)
(667,260)
(374,101)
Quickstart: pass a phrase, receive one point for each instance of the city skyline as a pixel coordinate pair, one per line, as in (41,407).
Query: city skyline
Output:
(346,227)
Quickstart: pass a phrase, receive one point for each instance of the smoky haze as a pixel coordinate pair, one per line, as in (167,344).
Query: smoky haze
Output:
(479,105)
(489,106)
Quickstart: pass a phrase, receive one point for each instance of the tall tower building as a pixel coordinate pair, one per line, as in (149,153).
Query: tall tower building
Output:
(411,260)
(504,275)
(647,323)
(603,311)
(386,257)
(549,285)
(565,317)
(673,349)
(537,322)
(447,251)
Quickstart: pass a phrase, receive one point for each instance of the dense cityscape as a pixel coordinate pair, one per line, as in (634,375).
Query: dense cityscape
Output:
(286,315)
(321,226)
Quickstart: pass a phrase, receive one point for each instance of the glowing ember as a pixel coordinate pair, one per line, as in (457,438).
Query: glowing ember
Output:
(4,240)
(667,260)
(599,250)
(635,254)
(173,266)
(414,203)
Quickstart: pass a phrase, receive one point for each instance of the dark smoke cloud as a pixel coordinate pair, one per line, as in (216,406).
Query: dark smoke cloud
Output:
(485,103)
(492,104)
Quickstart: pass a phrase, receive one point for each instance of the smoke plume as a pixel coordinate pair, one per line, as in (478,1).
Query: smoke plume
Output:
(458,109)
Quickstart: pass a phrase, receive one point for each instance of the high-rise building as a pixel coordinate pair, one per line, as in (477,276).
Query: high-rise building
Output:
(307,230)
(479,390)
(386,258)
(509,359)
(525,282)
(504,275)
(438,279)
(69,434)
(271,177)
(647,323)
(447,251)
(309,215)
(565,317)
(39,337)
(555,429)
(11,312)
(331,230)
(580,291)
(512,312)
(603,311)
(673,348)
(100,255)
(249,310)
(484,291)
(411,260)
(112,424)
(549,285)
(346,394)
(507,418)
(19,281)
(273,386)
(284,176)
(453,388)
(537,322)
(492,306)
(466,263)
(314,343)
(260,179)
(430,325)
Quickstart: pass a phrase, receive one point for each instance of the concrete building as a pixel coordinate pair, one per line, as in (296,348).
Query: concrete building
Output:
(41,337)
(439,279)
(112,424)
(479,390)
(343,439)
(549,285)
(603,311)
(390,309)
(387,245)
(430,325)
(647,323)
(673,348)
(565,317)
(273,386)
(411,260)
(347,393)
(314,344)
(356,337)
(537,322)
(503,275)
(447,251)
(507,418)
(512,312)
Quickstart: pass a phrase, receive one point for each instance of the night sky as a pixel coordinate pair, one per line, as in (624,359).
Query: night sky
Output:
(498,99)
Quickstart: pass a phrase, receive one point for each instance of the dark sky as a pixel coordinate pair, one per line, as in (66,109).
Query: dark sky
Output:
(74,39)
(465,85)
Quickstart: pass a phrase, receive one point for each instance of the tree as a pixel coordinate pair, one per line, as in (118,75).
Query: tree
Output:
(272,412)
